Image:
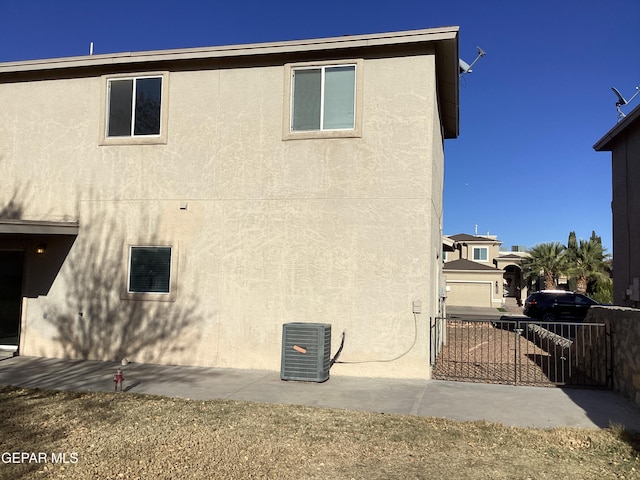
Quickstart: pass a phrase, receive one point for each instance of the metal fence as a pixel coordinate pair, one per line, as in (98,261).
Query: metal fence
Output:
(521,352)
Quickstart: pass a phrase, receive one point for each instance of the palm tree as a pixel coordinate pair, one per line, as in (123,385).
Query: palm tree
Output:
(588,263)
(547,261)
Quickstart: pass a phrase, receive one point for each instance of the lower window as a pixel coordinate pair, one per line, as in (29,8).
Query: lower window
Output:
(149,270)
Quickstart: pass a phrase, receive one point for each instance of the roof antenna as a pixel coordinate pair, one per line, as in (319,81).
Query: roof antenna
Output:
(622,102)
(465,67)
(91,48)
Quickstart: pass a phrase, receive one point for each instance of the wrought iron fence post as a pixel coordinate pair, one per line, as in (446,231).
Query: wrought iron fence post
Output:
(609,353)
(516,367)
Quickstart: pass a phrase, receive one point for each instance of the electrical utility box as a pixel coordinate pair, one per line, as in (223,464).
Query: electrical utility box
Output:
(306,352)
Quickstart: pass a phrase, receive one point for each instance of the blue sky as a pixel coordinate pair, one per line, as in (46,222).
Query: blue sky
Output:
(523,167)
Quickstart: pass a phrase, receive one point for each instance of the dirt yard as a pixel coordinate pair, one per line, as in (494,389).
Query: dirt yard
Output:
(480,351)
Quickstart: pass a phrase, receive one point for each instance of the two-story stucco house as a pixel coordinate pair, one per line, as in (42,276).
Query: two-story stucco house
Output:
(623,141)
(180,206)
(479,274)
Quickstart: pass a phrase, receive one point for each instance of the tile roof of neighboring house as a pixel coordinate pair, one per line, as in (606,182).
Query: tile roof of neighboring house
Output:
(464,237)
(464,264)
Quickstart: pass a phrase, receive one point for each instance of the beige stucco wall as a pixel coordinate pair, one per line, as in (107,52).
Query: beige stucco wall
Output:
(434,262)
(625,205)
(342,231)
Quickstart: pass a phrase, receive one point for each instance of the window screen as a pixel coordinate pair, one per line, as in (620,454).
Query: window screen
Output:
(339,97)
(149,269)
(148,95)
(307,88)
(120,104)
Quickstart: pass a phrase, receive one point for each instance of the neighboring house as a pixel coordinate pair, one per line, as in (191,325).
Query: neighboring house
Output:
(514,283)
(623,141)
(180,206)
(479,274)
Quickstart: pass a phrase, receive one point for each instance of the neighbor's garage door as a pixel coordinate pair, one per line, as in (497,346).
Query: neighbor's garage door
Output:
(472,294)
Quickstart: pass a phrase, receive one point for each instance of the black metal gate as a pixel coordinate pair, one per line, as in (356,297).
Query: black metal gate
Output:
(521,352)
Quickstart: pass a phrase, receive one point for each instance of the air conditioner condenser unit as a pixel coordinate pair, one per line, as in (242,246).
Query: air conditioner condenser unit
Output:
(306,352)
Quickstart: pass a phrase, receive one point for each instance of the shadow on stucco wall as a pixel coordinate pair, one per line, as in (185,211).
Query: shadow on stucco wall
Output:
(12,208)
(96,322)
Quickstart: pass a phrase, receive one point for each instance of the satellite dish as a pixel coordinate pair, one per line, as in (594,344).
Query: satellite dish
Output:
(622,101)
(465,67)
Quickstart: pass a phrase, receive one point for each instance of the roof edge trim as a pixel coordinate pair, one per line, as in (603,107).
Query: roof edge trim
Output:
(604,144)
(290,46)
(37,227)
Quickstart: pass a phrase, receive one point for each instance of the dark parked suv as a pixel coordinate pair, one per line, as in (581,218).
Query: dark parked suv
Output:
(552,305)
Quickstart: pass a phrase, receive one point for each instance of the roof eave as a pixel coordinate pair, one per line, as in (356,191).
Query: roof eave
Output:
(268,48)
(605,144)
(36,227)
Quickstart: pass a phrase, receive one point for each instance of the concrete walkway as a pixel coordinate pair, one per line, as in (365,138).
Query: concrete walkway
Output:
(509,405)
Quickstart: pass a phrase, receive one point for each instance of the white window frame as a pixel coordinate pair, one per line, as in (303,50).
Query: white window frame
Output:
(289,134)
(132,139)
(322,100)
(151,296)
(480,249)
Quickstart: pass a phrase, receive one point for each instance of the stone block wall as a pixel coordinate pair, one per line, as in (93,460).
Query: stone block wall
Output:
(624,325)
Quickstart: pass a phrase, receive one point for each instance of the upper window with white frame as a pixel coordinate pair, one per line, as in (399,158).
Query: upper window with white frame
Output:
(480,254)
(135,109)
(323,100)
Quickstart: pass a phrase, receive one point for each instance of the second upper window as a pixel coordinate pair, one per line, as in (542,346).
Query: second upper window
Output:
(323,100)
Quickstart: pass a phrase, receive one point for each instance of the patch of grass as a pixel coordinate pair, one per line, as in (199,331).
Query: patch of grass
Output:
(137,436)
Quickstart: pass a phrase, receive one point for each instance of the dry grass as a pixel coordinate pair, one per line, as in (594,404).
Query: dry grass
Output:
(135,436)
